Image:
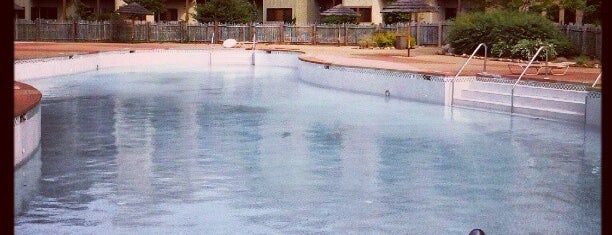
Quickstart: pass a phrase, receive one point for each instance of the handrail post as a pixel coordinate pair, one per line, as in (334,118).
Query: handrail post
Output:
(596,80)
(523,73)
(463,66)
(253,51)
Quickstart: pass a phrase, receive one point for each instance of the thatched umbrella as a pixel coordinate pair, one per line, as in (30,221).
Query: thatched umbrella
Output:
(132,10)
(409,6)
(340,10)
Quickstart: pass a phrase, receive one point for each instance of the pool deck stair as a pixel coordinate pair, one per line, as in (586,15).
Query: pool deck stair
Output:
(550,103)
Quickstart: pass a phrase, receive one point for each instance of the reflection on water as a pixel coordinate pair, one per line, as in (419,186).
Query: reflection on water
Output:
(26,182)
(245,150)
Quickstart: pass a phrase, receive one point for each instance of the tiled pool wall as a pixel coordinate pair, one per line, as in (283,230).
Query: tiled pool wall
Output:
(410,86)
(41,68)
(402,85)
(26,135)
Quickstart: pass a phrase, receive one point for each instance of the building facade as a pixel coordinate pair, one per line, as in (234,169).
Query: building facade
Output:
(300,12)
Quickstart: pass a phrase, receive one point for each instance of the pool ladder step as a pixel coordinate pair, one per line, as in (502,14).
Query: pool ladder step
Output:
(531,101)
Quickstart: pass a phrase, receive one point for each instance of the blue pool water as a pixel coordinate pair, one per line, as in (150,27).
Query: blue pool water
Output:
(254,150)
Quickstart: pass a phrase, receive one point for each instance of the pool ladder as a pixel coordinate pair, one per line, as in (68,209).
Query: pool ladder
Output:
(484,69)
(523,73)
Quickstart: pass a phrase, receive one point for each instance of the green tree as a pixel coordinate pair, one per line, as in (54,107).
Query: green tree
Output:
(226,11)
(82,11)
(396,17)
(156,6)
(339,19)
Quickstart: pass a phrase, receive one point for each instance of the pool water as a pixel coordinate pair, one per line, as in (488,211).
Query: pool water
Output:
(229,150)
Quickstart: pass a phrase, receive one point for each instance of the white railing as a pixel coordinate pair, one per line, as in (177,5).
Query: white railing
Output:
(523,73)
(484,68)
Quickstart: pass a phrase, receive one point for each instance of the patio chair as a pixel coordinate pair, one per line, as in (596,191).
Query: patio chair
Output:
(539,68)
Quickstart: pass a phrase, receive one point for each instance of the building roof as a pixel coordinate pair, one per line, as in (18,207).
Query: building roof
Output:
(409,6)
(339,10)
(133,9)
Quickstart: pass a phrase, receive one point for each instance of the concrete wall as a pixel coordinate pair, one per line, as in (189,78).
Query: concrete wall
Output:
(26,136)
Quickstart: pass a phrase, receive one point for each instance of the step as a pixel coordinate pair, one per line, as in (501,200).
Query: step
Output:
(491,87)
(481,104)
(538,102)
(523,90)
(485,96)
(549,113)
(527,101)
(559,94)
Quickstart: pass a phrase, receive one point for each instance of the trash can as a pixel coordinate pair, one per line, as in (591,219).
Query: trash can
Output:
(401,42)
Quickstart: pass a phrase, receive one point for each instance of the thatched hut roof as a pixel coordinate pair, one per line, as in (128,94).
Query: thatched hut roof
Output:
(133,9)
(339,10)
(409,6)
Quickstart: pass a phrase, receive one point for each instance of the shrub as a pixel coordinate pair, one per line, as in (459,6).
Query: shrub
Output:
(386,39)
(396,17)
(525,49)
(502,30)
(339,20)
(581,60)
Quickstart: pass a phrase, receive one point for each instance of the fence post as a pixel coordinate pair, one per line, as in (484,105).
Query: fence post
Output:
(583,41)
(37,29)
(439,33)
(282,33)
(418,33)
(215,33)
(74,30)
(346,34)
(314,34)
(252,33)
(148,31)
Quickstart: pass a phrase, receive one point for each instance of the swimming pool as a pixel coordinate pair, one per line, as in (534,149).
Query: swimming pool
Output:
(240,149)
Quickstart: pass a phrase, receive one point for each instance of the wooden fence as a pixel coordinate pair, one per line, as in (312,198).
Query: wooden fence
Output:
(586,39)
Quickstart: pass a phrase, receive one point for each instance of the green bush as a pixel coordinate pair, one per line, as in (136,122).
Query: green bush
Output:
(396,17)
(502,30)
(386,39)
(526,49)
(339,20)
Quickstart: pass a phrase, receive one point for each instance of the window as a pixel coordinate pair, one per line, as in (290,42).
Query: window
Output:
(171,14)
(44,13)
(450,13)
(19,14)
(365,14)
(279,14)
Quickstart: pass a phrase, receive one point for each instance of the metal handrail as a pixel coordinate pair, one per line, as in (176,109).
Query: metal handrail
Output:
(253,51)
(484,69)
(596,80)
(523,73)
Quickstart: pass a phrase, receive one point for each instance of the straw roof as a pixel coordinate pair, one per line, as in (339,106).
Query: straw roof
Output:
(133,9)
(339,10)
(409,6)
(17,7)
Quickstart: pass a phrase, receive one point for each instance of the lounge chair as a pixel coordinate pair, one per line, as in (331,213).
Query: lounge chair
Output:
(539,68)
